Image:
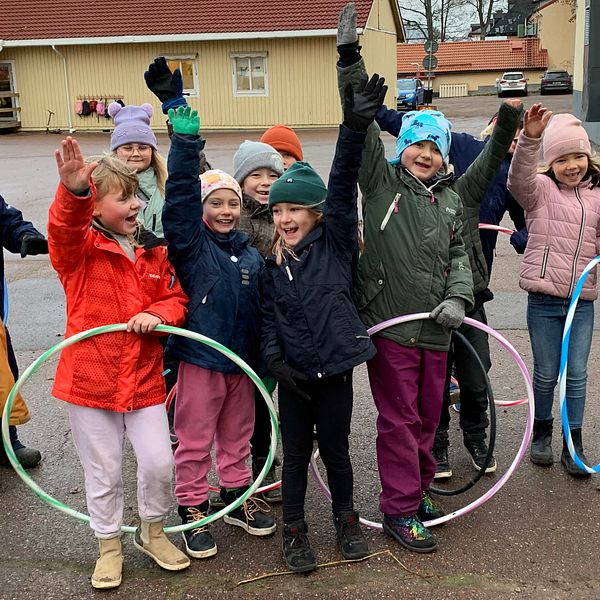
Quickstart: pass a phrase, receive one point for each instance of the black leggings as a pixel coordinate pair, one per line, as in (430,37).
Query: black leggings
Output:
(330,409)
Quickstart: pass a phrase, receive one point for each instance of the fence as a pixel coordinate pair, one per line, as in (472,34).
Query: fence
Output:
(453,90)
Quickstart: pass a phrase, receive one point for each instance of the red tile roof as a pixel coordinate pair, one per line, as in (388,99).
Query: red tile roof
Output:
(59,19)
(486,55)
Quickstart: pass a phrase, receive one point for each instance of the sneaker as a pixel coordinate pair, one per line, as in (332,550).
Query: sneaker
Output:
(199,542)
(428,509)
(28,457)
(478,450)
(454,392)
(299,556)
(455,407)
(271,496)
(350,537)
(410,533)
(251,515)
(442,465)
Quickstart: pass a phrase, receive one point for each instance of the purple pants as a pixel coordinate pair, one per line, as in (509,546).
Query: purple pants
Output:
(407,386)
(211,407)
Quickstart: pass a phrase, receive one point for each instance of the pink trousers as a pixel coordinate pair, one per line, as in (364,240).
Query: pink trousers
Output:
(211,407)
(98,436)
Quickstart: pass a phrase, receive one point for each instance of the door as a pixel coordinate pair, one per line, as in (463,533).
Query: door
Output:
(9,99)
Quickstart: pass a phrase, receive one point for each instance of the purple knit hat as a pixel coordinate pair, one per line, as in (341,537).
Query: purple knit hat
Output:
(132,125)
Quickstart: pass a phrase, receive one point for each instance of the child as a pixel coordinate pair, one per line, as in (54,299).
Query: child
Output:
(134,142)
(114,271)
(562,211)
(312,336)
(414,261)
(286,142)
(220,272)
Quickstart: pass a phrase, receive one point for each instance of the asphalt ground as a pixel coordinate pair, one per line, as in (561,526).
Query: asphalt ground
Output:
(536,538)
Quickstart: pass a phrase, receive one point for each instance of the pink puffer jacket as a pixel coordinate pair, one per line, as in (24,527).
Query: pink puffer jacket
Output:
(563,225)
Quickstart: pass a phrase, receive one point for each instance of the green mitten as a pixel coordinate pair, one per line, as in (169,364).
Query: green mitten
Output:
(185,120)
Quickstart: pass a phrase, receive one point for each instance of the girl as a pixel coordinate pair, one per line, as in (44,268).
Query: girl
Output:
(312,336)
(114,271)
(134,142)
(220,272)
(414,261)
(562,211)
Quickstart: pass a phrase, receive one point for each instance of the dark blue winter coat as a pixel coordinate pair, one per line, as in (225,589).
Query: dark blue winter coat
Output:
(219,272)
(464,149)
(309,318)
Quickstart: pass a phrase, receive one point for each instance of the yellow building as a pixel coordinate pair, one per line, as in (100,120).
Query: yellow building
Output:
(246,64)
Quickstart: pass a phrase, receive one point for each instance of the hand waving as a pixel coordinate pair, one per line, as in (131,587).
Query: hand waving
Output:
(361,104)
(185,120)
(535,120)
(166,86)
(74,172)
(346,31)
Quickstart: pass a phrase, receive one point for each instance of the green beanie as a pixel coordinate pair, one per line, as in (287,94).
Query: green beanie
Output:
(300,184)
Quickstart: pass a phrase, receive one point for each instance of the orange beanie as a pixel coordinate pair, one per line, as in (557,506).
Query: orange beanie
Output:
(283,139)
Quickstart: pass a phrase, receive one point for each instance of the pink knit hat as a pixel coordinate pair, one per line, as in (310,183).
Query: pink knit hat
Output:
(564,135)
(215,179)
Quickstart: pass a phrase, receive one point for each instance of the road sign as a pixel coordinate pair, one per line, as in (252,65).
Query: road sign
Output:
(430,62)
(431,46)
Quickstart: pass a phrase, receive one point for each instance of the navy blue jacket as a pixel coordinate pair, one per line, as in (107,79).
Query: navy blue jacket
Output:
(309,317)
(464,149)
(219,272)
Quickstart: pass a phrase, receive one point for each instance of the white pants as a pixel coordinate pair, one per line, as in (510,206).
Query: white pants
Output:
(98,436)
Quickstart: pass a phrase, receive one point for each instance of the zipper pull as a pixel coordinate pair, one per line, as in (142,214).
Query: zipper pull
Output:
(289,273)
(396,199)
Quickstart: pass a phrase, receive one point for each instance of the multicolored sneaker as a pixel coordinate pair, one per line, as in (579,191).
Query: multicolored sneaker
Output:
(410,533)
(428,509)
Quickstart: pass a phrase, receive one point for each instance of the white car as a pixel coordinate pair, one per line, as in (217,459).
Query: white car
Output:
(512,82)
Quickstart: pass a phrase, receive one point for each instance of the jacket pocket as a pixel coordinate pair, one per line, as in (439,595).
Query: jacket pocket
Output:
(202,294)
(370,285)
(544,262)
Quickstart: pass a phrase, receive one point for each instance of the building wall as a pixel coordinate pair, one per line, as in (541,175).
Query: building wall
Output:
(557,35)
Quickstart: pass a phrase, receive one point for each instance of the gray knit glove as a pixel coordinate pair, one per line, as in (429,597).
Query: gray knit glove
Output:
(346,31)
(450,313)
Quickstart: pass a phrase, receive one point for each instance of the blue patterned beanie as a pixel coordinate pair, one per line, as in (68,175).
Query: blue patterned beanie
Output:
(421,125)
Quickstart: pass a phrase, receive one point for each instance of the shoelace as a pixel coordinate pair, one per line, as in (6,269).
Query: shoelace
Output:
(254,505)
(196,515)
(299,539)
(351,528)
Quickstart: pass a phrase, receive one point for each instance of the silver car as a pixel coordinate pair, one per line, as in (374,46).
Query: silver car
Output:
(512,82)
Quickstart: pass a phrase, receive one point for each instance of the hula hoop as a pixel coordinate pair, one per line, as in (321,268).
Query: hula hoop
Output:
(498,228)
(122,327)
(564,359)
(522,448)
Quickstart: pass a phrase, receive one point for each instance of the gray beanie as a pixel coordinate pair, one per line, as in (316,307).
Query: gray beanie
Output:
(255,155)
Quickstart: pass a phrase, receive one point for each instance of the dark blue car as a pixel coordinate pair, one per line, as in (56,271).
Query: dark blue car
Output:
(409,93)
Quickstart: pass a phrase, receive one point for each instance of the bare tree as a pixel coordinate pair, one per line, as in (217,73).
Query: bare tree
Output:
(437,19)
(426,12)
(484,10)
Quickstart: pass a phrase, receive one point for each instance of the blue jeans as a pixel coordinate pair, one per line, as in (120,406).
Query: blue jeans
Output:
(546,317)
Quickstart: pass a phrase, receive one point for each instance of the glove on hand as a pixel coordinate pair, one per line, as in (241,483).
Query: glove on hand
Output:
(287,376)
(33,244)
(185,120)
(361,104)
(346,31)
(450,313)
(167,86)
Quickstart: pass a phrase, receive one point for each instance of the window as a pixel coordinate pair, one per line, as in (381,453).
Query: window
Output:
(189,72)
(250,74)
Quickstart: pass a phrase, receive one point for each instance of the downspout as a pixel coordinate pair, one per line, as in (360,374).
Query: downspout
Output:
(68,97)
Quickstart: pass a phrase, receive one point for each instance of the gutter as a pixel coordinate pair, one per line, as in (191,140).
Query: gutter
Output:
(67,95)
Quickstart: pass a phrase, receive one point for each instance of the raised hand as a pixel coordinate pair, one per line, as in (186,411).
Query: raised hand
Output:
(535,120)
(166,86)
(361,104)
(185,120)
(346,31)
(514,102)
(74,172)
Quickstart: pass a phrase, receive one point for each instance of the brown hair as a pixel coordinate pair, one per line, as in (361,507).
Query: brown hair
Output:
(593,171)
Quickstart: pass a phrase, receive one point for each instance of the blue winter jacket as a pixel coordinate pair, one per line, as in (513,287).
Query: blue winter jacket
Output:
(219,272)
(464,149)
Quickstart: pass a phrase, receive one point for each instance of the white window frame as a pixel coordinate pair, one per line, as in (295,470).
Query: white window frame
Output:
(193,58)
(249,55)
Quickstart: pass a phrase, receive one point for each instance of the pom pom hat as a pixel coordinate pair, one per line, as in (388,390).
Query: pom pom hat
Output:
(423,125)
(283,139)
(251,156)
(132,125)
(564,135)
(215,179)
(300,184)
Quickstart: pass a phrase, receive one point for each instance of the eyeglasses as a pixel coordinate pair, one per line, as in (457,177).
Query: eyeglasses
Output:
(131,148)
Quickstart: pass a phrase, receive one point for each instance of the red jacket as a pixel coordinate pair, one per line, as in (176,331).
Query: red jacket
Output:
(115,371)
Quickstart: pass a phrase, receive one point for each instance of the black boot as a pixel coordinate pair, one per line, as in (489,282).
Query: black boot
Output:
(567,460)
(251,515)
(28,457)
(199,542)
(541,443)
(271,496)
(350,537)
(298,554)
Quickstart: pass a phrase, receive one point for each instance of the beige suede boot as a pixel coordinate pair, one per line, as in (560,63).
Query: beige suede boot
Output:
(109,566)
(151,540)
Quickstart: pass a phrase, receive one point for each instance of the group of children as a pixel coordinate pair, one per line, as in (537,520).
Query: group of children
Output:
(267,262)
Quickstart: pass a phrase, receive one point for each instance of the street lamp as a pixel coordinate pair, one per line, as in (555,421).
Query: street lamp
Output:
(418,65)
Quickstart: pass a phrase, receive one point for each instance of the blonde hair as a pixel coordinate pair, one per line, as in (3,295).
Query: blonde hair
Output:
(159,164)
(593,171)
(278,246)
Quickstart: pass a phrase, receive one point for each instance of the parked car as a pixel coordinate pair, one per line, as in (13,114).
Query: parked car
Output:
(556,81)
(511,82)
(410,93)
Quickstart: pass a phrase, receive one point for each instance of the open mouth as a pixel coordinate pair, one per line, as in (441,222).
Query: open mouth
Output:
(131,220)
(290,230)
(423,166)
